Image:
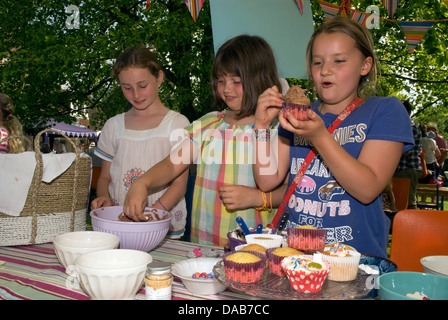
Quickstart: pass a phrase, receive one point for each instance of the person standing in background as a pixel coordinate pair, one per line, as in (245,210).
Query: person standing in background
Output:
(431,154)
(441,144)
(410,165)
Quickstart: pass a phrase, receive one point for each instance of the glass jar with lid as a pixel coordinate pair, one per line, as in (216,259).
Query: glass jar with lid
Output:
(158,281)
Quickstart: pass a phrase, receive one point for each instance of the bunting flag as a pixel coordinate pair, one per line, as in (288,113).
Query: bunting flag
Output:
(330,10)
(300,5)
(359,16)
(391,6)
(148,2)
(194,6)
(344,9)
(415,31)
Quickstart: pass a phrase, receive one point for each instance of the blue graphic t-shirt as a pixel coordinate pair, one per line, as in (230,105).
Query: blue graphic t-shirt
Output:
(321,202)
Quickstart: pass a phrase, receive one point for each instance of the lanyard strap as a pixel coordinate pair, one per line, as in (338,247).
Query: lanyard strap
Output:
(344,114)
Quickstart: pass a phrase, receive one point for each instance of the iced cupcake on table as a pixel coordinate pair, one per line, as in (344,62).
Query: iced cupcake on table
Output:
(306,273)
(296,102)
(344,262)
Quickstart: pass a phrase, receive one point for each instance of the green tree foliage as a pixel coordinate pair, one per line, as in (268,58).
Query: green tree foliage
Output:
(53,71)
(49,68)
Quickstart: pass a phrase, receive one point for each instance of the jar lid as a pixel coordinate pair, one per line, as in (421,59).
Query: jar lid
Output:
(159,267)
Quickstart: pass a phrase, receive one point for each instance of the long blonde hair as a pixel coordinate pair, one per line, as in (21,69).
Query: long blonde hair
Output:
(11,124)
(364,42)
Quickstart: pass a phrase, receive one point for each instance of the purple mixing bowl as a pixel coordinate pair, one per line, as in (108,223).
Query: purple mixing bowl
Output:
(143,236)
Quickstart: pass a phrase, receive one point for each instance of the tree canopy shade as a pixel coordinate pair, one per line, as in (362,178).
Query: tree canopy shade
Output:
(53,68)
(49,68)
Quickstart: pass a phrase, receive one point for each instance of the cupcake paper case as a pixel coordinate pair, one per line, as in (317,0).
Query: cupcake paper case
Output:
(244,271)
(297,110)
(343,261)
(304,273)
(308,239)
(296,102)
(274,260)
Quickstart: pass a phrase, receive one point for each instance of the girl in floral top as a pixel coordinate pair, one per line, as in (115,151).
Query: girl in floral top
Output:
(134,141)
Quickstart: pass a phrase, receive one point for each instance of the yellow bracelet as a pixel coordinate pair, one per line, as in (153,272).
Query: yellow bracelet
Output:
(264,202)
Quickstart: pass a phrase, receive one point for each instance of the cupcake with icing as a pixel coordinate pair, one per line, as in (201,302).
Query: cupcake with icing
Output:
(244,267)
(296,102)
(344,262)
(306,273)
(275,257)
(306,238)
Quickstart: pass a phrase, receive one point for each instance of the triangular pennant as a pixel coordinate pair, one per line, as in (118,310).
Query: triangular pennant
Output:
(415,31)
(330,10)
(300,5)
(391,6)
(194,6)
(361,17)
(147,4)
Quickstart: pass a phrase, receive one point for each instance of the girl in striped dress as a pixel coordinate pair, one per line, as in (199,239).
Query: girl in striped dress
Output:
(221,145)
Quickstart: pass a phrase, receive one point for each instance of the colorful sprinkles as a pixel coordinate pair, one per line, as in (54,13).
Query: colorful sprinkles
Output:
(203,275)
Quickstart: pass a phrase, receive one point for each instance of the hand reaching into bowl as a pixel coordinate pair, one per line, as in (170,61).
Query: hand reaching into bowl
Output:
(136,201)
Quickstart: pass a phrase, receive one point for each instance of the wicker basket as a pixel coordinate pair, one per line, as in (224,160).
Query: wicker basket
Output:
(50,208)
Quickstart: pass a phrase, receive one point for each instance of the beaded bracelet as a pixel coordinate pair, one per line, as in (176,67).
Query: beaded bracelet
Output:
(262,134)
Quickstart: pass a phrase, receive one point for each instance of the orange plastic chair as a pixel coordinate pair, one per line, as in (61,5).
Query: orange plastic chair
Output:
(400,189)
(417,234)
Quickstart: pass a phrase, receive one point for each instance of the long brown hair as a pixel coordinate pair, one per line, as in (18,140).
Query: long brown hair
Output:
(250,58)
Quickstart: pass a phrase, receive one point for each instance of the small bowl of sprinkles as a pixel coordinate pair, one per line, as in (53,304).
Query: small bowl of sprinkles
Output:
(197,275)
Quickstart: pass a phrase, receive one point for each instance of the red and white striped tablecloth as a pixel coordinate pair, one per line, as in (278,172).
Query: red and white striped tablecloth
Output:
(33,272)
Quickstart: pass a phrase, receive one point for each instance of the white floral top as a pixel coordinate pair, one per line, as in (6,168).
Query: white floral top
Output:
(133,152)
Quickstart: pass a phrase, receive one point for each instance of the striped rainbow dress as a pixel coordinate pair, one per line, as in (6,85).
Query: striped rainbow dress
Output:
(226,157)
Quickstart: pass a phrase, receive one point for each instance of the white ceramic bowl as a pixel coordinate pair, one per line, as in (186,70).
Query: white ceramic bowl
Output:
(111,274)
(186,268)
(68,246)
(437,265)
(265,240)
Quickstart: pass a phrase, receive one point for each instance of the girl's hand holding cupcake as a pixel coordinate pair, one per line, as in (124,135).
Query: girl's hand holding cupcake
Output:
(310,129)
(268,106)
